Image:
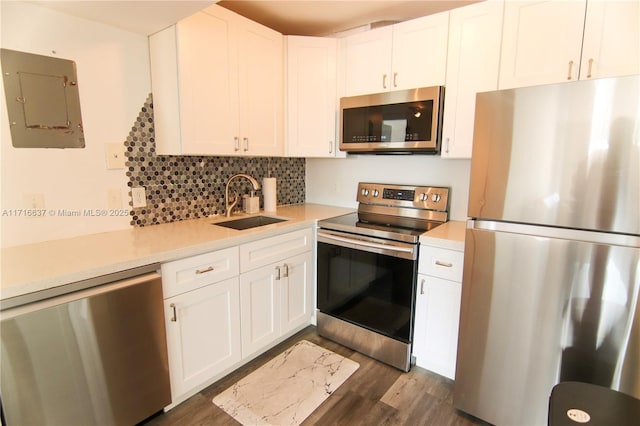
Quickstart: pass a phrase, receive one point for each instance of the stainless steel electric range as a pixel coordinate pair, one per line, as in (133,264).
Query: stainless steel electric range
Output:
(368,265)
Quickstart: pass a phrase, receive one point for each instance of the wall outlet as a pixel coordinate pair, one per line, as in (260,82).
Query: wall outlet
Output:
(114,198)
(138,196)
(115,157)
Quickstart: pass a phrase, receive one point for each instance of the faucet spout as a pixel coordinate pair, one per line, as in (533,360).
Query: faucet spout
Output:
(230,206)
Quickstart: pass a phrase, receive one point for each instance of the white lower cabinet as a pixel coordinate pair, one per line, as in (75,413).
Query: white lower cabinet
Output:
(259,309)
(225,307)
(277,298)
(437,313)
(297,294)
(203,334)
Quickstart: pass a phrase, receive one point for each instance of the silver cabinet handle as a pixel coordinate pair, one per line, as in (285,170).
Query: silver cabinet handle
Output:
(445,264)
(174,317)
(395,79)
(422,286)
(446,145)
(236,143)
(570,67)
(384,81)
(286,271)
(204,271)
(246,144)
(590,67)
(330,147)
(278,273)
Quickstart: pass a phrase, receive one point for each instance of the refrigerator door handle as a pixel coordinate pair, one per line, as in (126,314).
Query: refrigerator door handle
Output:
(557,233)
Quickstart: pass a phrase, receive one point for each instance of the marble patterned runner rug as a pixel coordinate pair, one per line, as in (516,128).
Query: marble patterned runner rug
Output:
(285,390)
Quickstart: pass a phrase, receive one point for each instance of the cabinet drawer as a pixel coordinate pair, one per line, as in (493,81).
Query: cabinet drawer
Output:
(442,263)
(263,252)
(188,274)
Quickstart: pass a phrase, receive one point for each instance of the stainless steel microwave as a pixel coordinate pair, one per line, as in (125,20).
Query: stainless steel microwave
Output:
(404,121)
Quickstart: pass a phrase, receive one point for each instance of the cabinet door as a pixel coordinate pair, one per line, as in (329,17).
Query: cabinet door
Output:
(261,79)
(203,334)
(297,292)
(367,57)
(163,61)
(542,42)
(611,44)
(207,86)
(419,54)
(436,324)
(260,308)
(311,96)
(473,61)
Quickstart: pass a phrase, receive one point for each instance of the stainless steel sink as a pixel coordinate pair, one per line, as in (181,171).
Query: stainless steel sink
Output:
(249,222)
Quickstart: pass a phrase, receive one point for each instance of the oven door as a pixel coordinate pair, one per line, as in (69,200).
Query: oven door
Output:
(368,282)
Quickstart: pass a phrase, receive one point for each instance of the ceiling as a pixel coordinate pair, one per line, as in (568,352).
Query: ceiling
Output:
(141,16)
(312,17)
(294,17)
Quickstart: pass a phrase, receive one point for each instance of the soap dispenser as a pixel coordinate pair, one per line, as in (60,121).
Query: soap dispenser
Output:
(251,203)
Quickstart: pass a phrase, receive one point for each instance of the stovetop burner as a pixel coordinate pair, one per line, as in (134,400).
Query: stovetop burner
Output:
(395,212)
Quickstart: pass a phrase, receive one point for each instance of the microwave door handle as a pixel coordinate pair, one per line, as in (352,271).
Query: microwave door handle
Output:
(365,243)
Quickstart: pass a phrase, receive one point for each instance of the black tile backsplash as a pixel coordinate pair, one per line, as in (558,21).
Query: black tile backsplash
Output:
(187,187)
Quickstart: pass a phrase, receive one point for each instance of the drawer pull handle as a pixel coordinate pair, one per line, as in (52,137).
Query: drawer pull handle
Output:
(174,317)
(204,271)
(421,286)
(445,264)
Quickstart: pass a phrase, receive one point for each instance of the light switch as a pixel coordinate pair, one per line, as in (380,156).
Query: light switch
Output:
(115,155)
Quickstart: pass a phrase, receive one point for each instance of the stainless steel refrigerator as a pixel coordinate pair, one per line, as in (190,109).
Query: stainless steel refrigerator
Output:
(552,251)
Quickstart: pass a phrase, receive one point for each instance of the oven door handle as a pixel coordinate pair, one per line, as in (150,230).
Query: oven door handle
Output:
(368,244)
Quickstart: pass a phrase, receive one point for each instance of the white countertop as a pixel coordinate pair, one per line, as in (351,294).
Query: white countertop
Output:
(41,266)
(449,235)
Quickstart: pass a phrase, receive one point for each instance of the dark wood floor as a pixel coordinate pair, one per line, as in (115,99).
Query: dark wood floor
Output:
(375,394)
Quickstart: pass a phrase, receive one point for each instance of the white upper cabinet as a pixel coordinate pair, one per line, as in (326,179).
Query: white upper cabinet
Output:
(611,45)
(419,52)
(367,61)
(543,41)
(402,56)
(218,86)
(261,88)
(473,62)
(311,96)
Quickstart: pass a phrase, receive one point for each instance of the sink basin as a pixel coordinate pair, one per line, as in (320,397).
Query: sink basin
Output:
(249,222)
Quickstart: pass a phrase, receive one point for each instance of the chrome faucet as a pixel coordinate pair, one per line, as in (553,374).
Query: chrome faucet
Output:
(229,206)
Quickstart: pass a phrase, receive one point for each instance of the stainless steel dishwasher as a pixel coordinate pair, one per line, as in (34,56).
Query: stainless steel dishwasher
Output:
(95,356)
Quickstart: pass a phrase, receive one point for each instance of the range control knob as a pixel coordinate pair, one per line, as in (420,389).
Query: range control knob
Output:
(375,193)
(365,192)
(423,197)
(436,197)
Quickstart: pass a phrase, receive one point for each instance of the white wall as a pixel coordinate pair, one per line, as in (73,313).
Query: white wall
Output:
(114,81)
(335,181)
